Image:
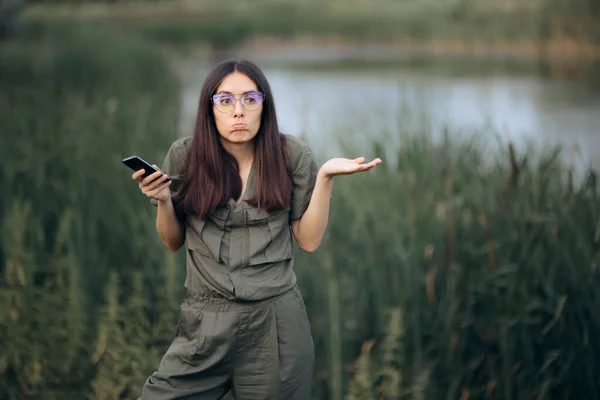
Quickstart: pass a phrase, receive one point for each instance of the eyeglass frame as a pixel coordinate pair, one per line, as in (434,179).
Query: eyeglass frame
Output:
(241,99)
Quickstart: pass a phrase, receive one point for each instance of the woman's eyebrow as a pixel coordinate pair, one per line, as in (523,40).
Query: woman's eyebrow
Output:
(246,92)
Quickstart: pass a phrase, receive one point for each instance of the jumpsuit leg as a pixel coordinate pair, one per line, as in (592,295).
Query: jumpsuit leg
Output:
(275,351)
(198,363)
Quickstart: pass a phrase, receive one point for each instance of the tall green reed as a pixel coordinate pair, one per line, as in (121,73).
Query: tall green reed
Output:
(492,260)
(75,101)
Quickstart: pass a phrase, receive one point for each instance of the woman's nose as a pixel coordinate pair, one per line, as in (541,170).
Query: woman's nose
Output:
(238,109)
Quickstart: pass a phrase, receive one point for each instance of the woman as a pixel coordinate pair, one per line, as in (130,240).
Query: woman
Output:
(238,191)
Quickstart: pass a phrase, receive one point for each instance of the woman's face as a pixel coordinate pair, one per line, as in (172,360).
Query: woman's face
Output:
(237,108)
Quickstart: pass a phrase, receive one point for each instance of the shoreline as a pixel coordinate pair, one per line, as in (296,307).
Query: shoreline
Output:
(336,48)
(331,49)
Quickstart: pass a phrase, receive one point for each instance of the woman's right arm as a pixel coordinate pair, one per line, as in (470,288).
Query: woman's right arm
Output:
(168,226)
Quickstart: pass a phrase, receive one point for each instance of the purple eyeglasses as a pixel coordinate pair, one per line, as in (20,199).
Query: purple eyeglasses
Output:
(225,102)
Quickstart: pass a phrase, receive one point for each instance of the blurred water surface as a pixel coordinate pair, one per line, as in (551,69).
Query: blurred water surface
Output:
(362,102)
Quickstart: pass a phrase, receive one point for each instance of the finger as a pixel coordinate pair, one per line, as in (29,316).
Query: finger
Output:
(374,162)
(359,160)
(157,182)
(366,167)
(358,168)
(150,178)
(137,174)
(159,189)
(153,184)
(155,192)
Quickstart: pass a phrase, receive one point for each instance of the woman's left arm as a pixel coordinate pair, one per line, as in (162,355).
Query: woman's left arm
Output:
(310,228)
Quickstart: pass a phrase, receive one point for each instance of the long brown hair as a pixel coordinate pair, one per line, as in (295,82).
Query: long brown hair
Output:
(210,175)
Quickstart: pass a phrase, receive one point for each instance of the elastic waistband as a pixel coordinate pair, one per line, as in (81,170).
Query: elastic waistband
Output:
(207,302)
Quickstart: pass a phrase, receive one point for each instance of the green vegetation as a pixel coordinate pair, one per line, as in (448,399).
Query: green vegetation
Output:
(488,266)
(73,104)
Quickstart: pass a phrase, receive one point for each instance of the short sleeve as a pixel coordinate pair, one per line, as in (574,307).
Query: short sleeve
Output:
(304,176)
(172,165)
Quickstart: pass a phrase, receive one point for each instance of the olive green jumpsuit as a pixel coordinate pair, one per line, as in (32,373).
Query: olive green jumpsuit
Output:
(243,325)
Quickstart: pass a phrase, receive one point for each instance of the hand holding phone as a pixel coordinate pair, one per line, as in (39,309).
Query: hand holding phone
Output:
(152,181)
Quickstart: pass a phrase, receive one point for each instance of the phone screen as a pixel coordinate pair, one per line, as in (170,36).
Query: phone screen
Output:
(136,163)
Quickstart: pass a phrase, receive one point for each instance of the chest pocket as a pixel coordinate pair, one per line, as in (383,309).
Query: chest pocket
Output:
(204,237)
(269,236)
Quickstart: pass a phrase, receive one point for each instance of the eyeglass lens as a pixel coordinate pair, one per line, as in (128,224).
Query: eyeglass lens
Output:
(226,102)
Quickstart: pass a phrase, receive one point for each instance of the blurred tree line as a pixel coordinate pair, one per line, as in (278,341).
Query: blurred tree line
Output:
(477,19)
(10,12)
(577,19)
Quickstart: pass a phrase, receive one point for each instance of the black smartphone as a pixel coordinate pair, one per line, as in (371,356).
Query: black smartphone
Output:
(136,163)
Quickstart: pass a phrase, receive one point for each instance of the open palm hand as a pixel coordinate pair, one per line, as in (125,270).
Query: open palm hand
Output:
(345,166)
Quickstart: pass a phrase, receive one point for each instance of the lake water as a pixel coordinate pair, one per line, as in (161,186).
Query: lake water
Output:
(357,104)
